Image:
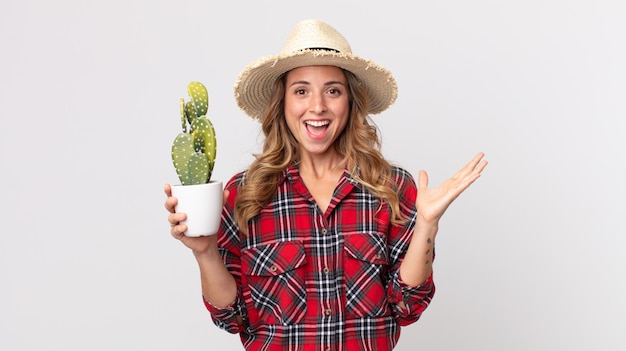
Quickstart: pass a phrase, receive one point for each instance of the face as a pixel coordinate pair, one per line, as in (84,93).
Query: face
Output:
(316,107)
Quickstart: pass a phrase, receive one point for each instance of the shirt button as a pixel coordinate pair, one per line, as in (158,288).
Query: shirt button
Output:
(273,268)
(324,231)
(326,270)
(328,312)
(377,256)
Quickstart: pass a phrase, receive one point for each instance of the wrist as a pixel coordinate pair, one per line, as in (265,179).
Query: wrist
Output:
(425,226)
(210,252)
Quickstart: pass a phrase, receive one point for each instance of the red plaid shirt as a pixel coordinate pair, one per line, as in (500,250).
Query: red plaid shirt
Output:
(320,281)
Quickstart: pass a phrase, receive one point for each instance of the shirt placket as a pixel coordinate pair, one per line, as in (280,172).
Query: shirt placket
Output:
(326,249)
(329,292)
(330,250)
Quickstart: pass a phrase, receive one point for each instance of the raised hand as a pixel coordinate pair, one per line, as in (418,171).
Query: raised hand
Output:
(433,202)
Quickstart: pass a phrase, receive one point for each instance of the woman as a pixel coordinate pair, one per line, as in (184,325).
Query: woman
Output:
(323,244)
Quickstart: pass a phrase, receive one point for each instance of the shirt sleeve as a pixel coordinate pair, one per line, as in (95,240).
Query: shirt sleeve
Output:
(233,317)
(228,318)
(407,302)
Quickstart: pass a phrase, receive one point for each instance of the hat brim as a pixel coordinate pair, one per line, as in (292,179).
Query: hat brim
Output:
(254,84)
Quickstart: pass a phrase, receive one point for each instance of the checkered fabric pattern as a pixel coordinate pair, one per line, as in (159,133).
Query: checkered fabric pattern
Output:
(320,281)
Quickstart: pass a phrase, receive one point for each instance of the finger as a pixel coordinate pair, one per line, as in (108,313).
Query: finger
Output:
(476,160)
(474,175)
(422,180)
(170,204)
(481,166)
(226,193)
(176,217)
(476,171)
(168,190)
(470,166)
(178,231)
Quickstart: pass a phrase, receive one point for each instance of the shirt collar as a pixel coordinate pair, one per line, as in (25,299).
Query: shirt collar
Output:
(292,173)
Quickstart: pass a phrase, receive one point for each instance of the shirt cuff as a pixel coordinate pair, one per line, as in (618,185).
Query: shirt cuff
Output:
(401,291)
(405,286)
(226,311)
(229,318)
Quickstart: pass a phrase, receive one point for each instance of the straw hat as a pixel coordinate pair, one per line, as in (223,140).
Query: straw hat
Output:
(312,42)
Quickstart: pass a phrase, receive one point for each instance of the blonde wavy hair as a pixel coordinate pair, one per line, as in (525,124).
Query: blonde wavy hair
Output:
(359,145)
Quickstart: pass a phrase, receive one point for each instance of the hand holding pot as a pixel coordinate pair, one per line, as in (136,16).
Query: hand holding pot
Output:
(178,229)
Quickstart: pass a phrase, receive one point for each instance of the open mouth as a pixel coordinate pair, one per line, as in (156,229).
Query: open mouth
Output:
(316,128)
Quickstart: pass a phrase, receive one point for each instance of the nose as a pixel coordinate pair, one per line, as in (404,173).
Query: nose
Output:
(318,103)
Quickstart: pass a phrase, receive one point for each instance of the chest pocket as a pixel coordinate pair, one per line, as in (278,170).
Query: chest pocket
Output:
(365,266)
(275,276)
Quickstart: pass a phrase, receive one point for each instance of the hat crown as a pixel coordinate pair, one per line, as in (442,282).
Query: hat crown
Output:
(315,34)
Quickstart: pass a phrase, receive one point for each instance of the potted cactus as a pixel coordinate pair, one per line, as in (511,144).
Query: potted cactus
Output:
(193,155)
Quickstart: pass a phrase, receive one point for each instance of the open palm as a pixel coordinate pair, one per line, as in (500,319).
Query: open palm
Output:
(433,202)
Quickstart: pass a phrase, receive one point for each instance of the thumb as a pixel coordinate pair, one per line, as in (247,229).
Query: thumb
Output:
(422,180)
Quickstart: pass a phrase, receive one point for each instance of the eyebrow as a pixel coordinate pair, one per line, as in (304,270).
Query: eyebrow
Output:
(332,82)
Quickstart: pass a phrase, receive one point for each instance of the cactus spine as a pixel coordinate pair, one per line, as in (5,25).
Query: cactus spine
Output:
(193,150)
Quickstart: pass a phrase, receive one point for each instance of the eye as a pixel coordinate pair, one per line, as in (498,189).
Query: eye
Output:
(334,91)
(299,91)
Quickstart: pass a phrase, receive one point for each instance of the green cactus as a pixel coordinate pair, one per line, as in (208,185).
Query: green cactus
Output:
(193,150)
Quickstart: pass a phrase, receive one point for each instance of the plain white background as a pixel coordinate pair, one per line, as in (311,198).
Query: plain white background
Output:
(529,258)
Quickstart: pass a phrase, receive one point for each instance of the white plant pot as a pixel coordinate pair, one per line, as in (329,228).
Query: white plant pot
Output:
(203,205)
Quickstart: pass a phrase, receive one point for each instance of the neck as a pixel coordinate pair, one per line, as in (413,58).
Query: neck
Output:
(321,166)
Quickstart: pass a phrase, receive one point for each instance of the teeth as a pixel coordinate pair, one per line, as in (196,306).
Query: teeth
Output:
(317,123)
